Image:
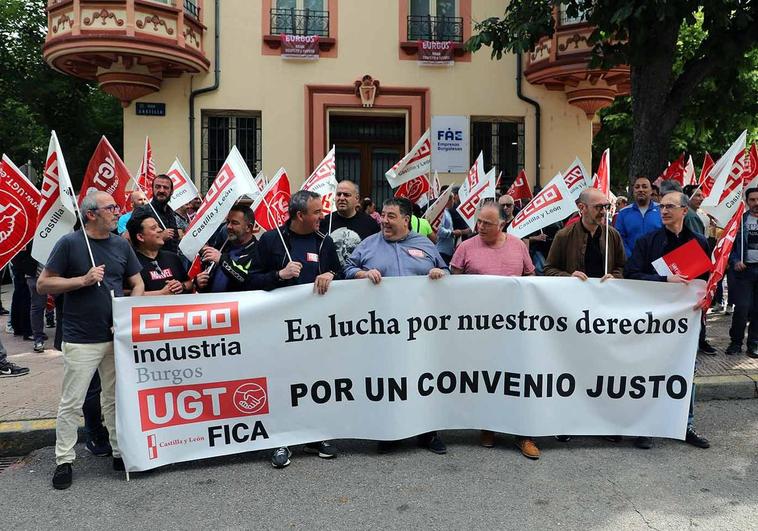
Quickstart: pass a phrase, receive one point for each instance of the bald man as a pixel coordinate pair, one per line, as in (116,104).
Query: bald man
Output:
(349,226)
(138,198)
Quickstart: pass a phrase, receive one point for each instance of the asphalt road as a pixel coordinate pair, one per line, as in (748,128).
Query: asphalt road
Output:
(588,483)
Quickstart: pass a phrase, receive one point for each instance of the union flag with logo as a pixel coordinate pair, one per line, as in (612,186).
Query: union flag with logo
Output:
(19,204)
(553,203)
(106,172)
(271,206)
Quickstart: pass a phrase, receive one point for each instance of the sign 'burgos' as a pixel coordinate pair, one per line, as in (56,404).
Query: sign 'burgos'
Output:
(436,45)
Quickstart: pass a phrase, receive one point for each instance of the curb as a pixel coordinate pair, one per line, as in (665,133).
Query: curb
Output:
(20,437)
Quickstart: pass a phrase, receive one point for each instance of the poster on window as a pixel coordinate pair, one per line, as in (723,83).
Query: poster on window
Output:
(435,53)
(450,144)
(304,47)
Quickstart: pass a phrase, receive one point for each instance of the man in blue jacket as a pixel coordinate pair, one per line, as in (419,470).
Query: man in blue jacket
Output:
(640,217)
(650,248)
(743,280)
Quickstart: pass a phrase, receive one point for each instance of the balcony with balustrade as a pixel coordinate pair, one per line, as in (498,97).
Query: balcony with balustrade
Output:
(127,46)
(561,63)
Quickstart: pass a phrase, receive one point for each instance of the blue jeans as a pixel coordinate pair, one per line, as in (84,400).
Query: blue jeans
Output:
(743,293)
(37,312)
(539,262)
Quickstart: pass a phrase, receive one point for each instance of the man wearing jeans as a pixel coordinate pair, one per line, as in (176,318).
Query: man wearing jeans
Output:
(88,323)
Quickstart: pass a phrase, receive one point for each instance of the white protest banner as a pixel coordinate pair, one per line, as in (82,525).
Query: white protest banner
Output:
(323,181)
(726,193)
(553,203)
(576,178)
(233,181)
(416,162)
(214,374)
(435,212)
(184,189)
(57,209)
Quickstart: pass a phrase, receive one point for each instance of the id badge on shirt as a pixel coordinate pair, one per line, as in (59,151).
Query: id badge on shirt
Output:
(311,257)
(416,253)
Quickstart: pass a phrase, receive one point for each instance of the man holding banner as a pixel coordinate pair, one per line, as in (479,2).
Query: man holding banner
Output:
(653,247)
(87,265)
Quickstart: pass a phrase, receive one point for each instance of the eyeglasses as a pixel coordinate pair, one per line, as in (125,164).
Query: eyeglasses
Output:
(599,208)
(507,205)
(113,209)
(669,206)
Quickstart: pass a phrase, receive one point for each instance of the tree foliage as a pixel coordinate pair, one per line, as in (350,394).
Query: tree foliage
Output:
(34,98)
(674,49)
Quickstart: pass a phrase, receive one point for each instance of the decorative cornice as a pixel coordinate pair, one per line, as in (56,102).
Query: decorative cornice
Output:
(63,19)
(105,15)
(156,21)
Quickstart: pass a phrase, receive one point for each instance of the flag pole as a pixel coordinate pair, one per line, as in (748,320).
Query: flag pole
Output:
(136,181)
(86,238)
(331,214)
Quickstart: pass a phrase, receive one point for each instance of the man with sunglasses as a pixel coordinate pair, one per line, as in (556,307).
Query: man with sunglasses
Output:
(579,249)
(507,205)
(650,248)
(88,323)
(349,226)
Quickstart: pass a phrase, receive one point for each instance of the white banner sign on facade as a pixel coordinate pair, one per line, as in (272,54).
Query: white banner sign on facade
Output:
(450,144)
(232,182)
(214,374)
(184,189)
(554,203)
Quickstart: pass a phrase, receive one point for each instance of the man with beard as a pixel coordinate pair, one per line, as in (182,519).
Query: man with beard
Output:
(163,187)
(349,226)
(639,218)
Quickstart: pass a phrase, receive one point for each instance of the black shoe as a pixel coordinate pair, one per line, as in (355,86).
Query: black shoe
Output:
(752,351)
(696,439)
(281,457)
(28,338)
(323,449)
(386,447)
(613,438)
(3,311)
(563,438)
(39,347)
(733,348)
(118,464)
(8,369)
(433,443)
(645,443)
(99,447)
(707,349)
(62,476)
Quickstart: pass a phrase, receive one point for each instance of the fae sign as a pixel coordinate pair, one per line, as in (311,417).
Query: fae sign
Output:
(450,144)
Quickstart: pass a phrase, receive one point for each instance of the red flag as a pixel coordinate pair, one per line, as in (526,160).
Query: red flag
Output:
(603,182)
(272,205)
(519,190)
(19,204)
(706,180)
(675,171)
(106,172)
(195,269)
(416,190)
(146,172)
(721,256)
(750,173)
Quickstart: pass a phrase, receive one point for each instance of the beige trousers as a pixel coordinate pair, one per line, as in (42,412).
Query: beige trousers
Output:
(80,361)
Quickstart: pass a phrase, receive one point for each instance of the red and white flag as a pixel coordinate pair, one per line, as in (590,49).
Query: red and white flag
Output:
(261,180)
(106,172)
(706,181)
(721,254)
(475,175)
(146,171)
(471,198)
(19,204)
(519,189)
(576,178)
(750,175)
(418,161)
(57,209)
(434,193)
(689,173)
(435,212)
(184,189)
(553,203)
(603,182)
(232,182)
(271,206)
(688,260)
(674,171)
(416,190)
(323,181)
(726,194)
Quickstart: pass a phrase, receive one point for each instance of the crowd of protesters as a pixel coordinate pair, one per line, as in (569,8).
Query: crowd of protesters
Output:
(137,254)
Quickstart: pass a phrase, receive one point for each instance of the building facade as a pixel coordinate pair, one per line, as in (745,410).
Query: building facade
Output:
(196,85)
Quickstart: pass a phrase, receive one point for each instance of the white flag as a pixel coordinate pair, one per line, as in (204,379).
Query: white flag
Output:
(553,203)
(233,181)
(57,210)
(435,212)
(475,175)
(261,180)
(471,198)
(418,161)
(576,178)
(184,189)
(689,173)
(726,194)
(323,181)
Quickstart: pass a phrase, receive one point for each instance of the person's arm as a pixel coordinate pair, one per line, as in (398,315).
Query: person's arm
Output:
(621,228)
(619,256)
(51,283)
(636,266)
(456,270)
(135,284)
(354,263)
(529,268)
(556,258)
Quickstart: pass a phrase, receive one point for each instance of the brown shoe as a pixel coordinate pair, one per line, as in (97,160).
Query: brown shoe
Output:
(487,438)
(528,448)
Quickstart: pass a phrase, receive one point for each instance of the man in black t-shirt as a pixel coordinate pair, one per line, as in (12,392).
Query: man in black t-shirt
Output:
(162,272)
(163,187)
(349,226)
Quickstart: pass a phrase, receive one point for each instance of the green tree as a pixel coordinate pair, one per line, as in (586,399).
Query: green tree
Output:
(645,34)
(34,98)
